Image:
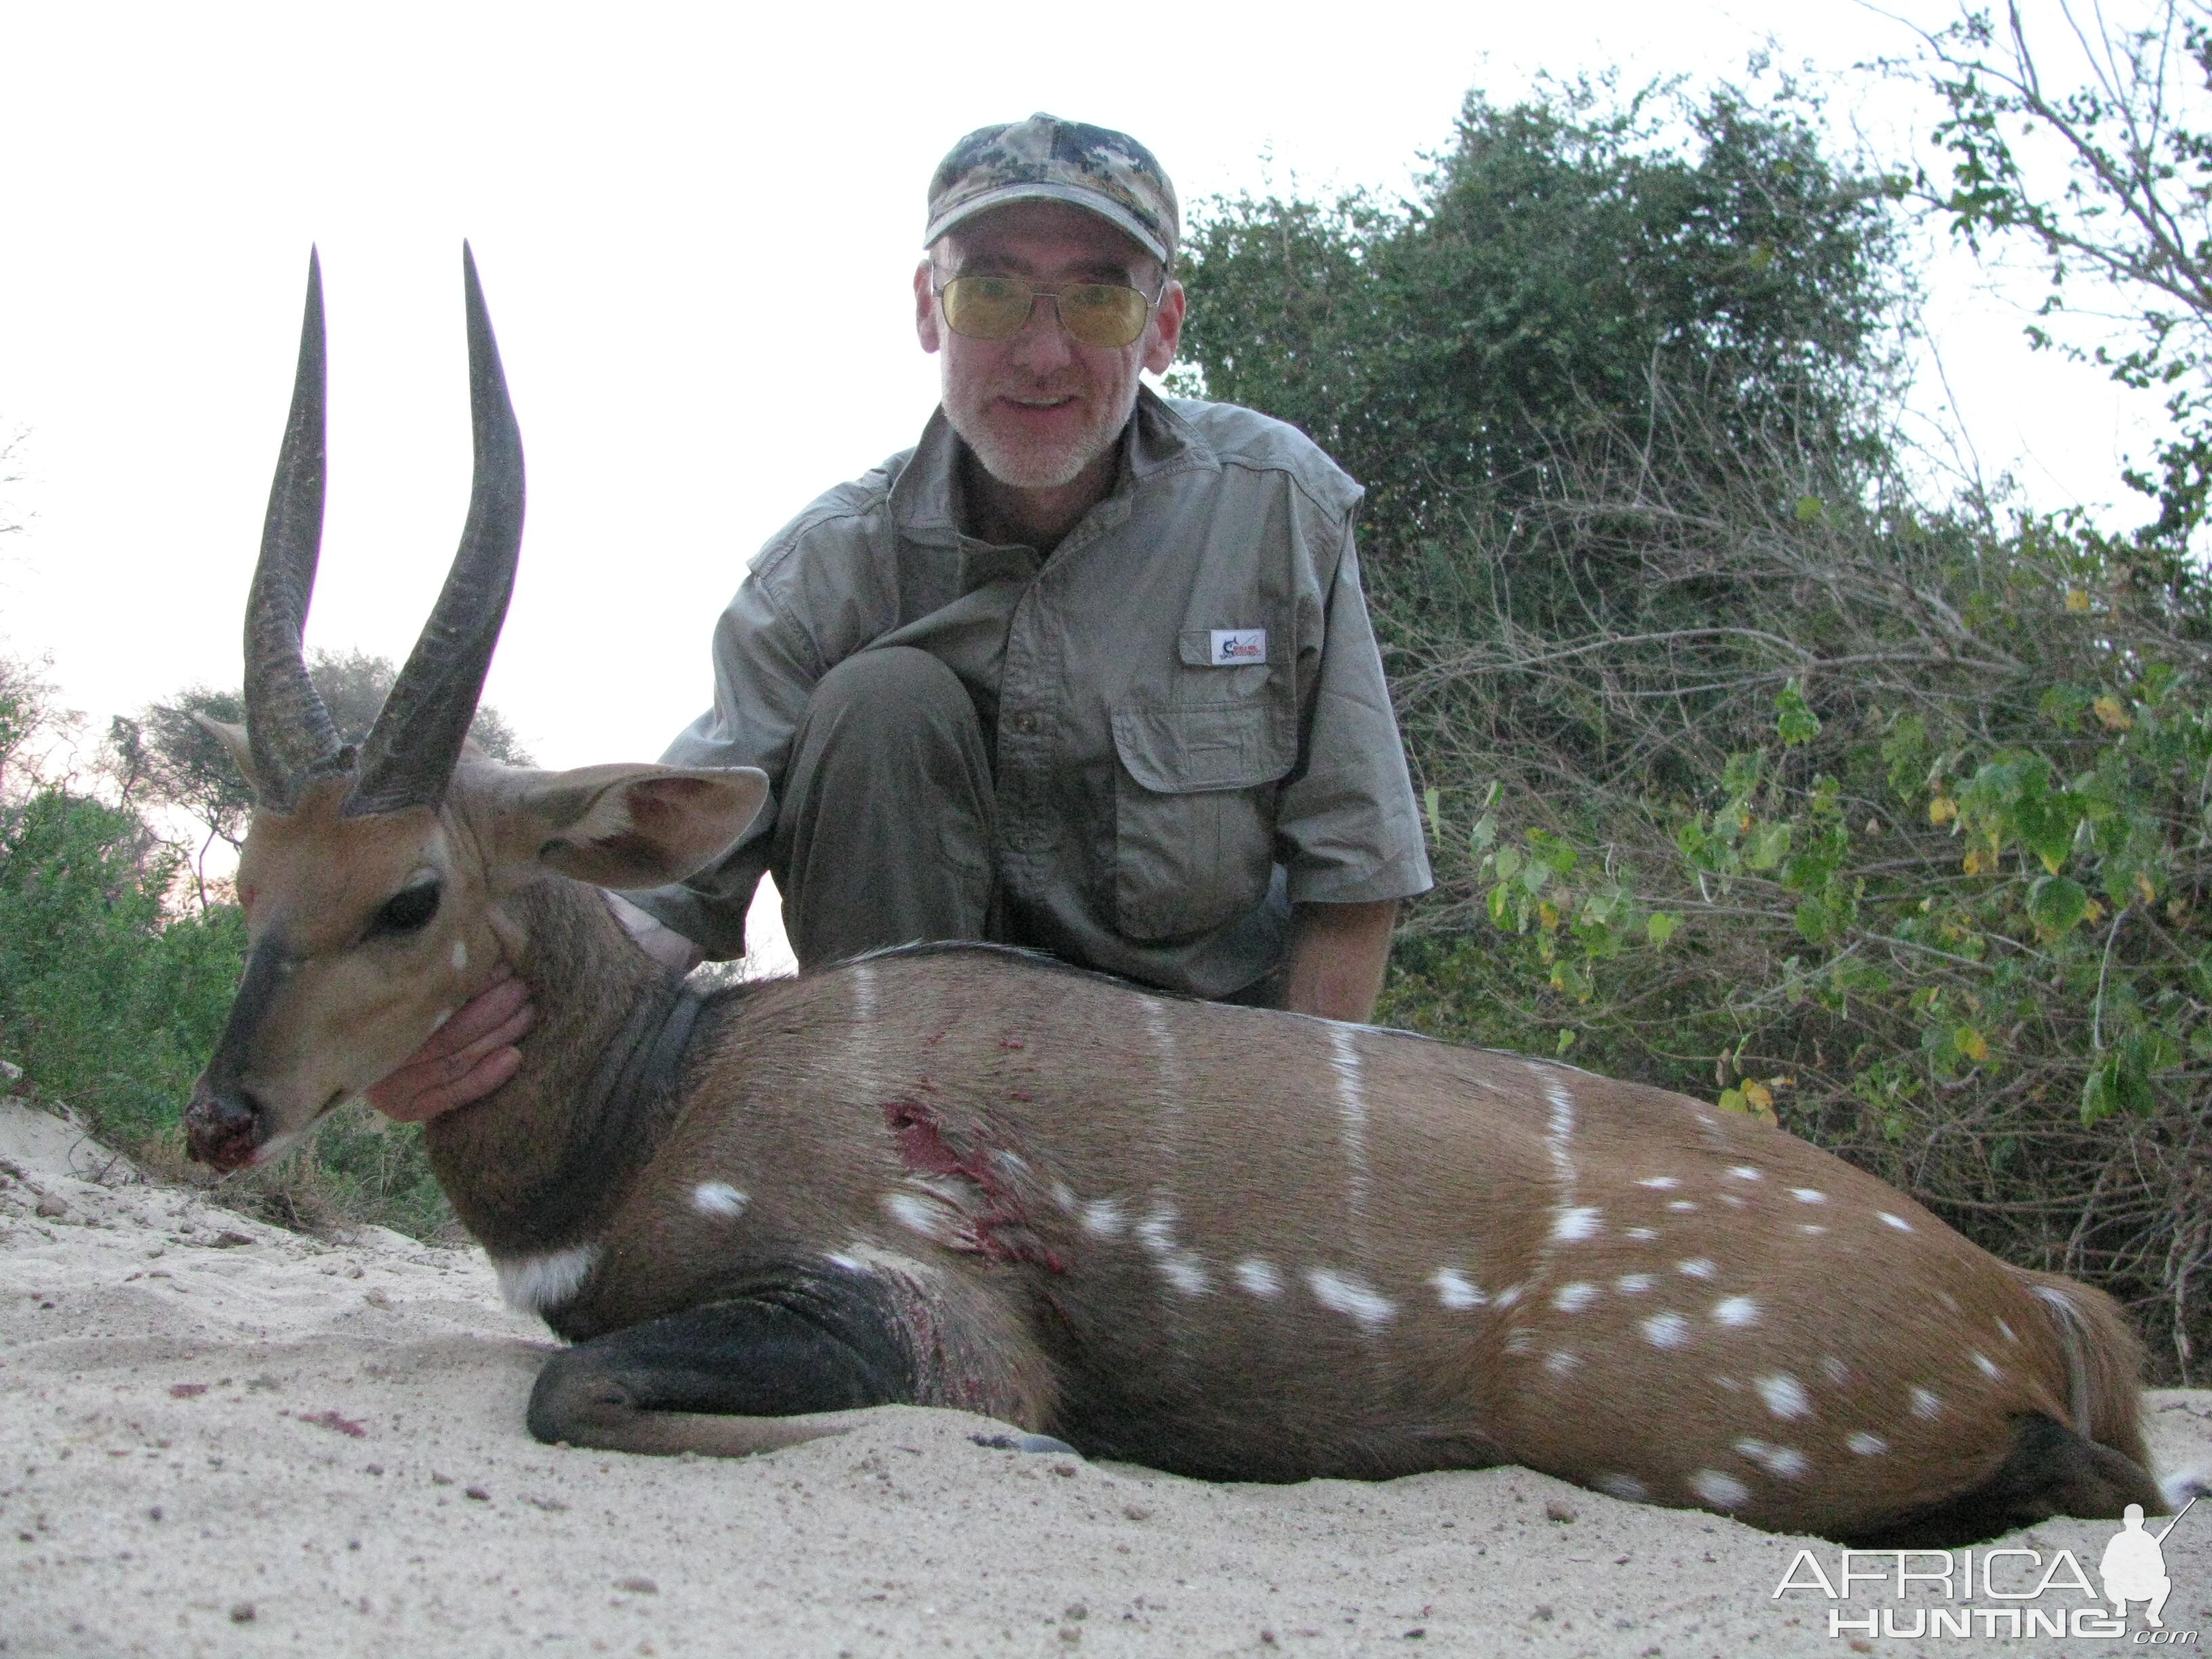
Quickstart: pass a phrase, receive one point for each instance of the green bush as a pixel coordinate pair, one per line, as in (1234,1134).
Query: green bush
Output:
(1886,826)
(104,1001)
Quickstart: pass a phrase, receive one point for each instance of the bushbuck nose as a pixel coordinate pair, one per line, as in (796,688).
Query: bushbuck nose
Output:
(221,1128)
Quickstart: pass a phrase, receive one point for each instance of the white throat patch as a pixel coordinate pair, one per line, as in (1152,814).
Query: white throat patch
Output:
(540,1284)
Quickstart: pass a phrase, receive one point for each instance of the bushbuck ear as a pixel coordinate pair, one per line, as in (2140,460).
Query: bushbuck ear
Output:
(638,826)
(232,737)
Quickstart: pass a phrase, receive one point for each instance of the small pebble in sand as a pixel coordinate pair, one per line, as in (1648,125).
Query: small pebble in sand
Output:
(1556,1510)
(476,1492)
(637,1585)
(241,1612)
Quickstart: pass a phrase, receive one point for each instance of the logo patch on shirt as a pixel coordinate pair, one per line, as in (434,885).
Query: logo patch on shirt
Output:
(1233,647)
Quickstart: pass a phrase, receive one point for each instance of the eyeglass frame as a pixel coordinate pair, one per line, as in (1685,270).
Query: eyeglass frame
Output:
(1152,303)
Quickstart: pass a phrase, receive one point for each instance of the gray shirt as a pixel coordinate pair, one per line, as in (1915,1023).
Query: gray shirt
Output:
(1188,717)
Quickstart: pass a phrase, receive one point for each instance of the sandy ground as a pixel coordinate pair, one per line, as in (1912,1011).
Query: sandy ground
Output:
(217,1437)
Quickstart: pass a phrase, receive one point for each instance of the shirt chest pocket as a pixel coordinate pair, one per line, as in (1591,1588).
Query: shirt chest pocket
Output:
(1195,812)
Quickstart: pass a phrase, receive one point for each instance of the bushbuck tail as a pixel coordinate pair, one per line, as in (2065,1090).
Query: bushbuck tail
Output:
(1228,1242)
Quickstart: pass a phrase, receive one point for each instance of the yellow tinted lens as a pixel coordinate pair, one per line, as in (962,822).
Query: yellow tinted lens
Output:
(986,307)
(1103,314)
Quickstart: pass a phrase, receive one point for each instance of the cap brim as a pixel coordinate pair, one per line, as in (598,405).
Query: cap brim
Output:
(1089,201)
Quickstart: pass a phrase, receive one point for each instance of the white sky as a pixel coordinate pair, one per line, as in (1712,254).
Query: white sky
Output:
(638,182)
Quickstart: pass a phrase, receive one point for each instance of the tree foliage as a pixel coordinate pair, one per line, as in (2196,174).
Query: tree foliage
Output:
(1905,844)
(2093,145)
(1459,344)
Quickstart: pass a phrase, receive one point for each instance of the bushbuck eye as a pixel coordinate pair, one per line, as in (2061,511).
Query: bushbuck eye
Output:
(406,910)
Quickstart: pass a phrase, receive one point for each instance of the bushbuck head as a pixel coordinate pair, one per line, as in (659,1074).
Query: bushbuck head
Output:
(371,876)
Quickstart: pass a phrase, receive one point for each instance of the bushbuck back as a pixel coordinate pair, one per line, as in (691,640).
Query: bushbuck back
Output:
(1229,1243)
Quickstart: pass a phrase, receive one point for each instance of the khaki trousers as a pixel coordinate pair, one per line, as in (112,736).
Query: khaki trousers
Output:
(887,830)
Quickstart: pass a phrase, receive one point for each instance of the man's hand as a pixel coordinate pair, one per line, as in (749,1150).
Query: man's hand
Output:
(1337,953)
(473,1052)
(465,1059)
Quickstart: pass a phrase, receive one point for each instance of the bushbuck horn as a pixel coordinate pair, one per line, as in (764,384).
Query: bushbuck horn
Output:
(287,726)
(410,751)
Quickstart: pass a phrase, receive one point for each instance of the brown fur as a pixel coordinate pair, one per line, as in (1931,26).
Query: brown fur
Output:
(1218,1240)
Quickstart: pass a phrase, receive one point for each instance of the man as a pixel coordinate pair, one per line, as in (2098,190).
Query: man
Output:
(1085,671)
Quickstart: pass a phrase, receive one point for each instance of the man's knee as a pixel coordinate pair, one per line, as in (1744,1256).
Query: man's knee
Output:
(889,693)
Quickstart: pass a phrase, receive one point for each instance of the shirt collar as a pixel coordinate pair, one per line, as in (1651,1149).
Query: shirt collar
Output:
(925,501)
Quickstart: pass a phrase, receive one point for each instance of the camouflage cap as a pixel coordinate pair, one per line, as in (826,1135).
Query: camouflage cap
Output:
(1047,158)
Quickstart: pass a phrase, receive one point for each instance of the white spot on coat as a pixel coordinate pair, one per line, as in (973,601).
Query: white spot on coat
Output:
(1258,1276)
(1569,1226)
(1666,1330)
(1627,1487)
(1102,1218)
(1660,1183)
(1988,1367)
(1560,1364)
(920,1215)
(1808,1195)
(2010,1335)
(1744,1172)
(1521,1341)
(1634,1284)
(539,1284)
(1642,1235)
(719,1198)
(1898,1222)
(1723,1492)
(1810,1230)
(1736,1311)
(444,1014)
(1186,1273)
(1835,1370)
(1682,1205)
(1064,1196)
(1696,1267)
(1508,1296)
(461,955)
(1342,1293)
(1926,1405)
(1732,1201)
(1181,1267)
(1573,1299)
(1867,1445)
(1456,1290)
(1352,1121)
(1785,1463)
(1559,1133)
(1784,1395)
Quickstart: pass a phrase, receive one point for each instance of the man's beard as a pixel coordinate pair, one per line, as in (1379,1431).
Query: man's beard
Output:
(1021,462)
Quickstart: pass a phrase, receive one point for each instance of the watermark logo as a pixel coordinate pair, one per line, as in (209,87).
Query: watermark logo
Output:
(2007,1592)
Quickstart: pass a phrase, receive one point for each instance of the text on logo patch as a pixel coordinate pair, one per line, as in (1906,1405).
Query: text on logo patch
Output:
(1233,645)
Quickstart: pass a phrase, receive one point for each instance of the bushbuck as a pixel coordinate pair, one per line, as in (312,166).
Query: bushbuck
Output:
(1230,1243)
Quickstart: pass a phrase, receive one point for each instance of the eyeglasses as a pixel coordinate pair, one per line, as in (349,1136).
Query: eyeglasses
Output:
(1109,314)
